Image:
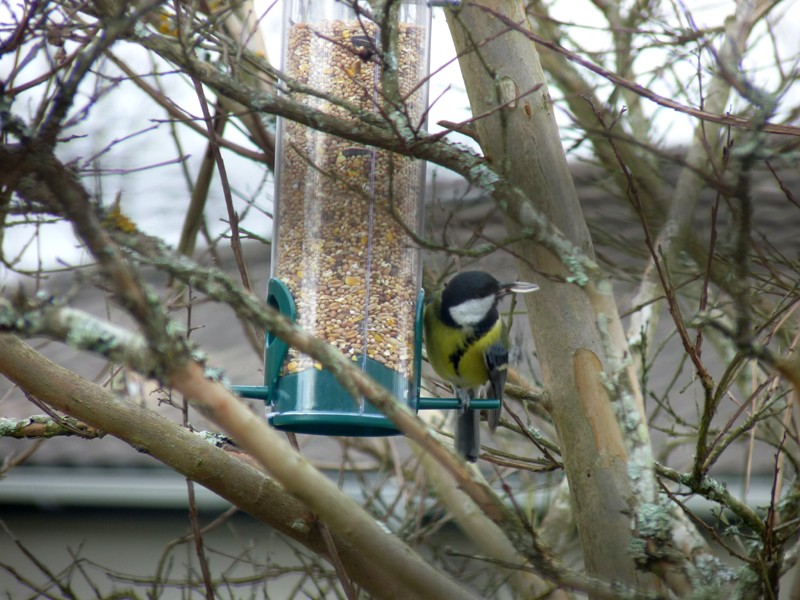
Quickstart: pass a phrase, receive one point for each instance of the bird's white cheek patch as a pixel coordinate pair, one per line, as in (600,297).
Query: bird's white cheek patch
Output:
(471,312)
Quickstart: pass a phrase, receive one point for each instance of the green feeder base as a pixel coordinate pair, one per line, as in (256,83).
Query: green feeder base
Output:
(336,424)
(313,402)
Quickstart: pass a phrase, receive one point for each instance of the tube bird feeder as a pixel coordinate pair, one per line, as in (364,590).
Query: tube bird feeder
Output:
(343,265)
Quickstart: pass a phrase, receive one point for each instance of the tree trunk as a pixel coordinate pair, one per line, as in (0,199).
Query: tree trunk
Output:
(521,141)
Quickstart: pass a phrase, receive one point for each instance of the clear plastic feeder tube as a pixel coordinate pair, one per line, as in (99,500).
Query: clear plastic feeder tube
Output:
(340,245)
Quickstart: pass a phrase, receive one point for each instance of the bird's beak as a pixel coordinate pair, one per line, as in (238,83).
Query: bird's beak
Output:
(516,287)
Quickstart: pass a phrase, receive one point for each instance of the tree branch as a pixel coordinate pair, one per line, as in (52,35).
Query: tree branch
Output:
(45,426)
(379,569)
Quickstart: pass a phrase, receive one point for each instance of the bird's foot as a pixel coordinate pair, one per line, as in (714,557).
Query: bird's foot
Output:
(466,398)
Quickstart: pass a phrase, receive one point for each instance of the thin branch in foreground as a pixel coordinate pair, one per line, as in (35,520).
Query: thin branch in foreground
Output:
(46,426)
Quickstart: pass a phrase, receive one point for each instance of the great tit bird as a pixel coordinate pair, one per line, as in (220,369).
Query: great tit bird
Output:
(467,346)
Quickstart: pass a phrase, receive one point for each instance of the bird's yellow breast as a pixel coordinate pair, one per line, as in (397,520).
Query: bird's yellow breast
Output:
(457,354)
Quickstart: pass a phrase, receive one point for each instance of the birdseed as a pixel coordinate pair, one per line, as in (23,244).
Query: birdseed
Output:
(349,264)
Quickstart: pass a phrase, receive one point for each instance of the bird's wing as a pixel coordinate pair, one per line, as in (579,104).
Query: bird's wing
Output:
(496,357)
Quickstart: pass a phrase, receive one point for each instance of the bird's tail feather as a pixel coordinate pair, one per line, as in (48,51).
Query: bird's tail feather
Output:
(493,417)
(468,434)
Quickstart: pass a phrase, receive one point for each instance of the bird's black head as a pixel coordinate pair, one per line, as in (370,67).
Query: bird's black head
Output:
(470,299)
(469,285)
